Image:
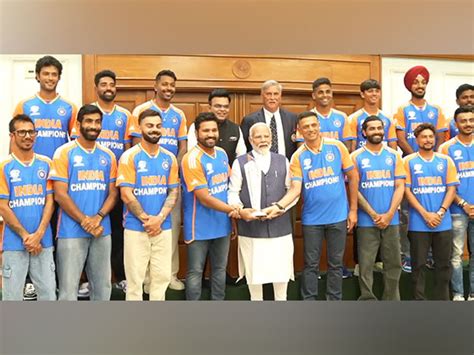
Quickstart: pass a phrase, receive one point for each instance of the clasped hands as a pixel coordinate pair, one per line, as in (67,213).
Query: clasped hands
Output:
(247,214)
(91,224)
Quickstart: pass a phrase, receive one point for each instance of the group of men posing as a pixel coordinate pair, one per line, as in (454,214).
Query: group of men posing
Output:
(117,179)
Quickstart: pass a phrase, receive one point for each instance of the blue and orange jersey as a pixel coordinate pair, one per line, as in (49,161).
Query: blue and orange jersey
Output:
(377,174)
(203,171)
(150,177)
(335,125)
(53,120)
(174,127)
(322,176)
(25,187)
(452,129)
(88,175)
(409,116)
(116,130)
(428,181)
(463,157)
(357,119)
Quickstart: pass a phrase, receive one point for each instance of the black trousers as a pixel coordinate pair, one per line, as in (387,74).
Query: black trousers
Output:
(442,245)
(116,221)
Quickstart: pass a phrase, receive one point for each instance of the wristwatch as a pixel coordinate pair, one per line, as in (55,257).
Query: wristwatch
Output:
(280,207)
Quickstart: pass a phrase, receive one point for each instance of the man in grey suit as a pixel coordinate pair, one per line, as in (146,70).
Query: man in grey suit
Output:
(282,123)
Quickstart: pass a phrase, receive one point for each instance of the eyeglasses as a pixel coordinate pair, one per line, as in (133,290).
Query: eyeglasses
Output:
(23,132)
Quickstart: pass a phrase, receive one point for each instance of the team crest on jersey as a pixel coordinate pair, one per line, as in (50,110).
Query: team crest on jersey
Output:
(337,123)
(389,161)
(431,115)
(77,161)
(457,154)
(330,157)
(209,169)
(365,163)
(165,165)
(61,111)
(15,175)
(307,164)
(418,169)
(142,166)
(41,174)
(34,110)
(119,122)
(102,161)
(174,120)
(411,115)
(440,167)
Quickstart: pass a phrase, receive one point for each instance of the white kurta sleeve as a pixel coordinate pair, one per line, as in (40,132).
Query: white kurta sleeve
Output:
(192,140)
(235,185)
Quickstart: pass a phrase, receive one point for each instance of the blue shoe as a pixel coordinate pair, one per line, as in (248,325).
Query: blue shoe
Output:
(406,265)
(346,273)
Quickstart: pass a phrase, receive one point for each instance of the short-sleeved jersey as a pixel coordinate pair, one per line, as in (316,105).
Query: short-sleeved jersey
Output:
(53,120)
(115,131)
(463,157)
(357,119)
(321,173)
(335,125)
(88,175)
(202,171)
(25,187)
(428,181)
(150,177)
(377,174)
(410,116)
(174,127)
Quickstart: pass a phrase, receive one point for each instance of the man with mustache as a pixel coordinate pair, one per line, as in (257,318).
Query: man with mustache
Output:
(282,123)
(258,180)
(26,205)
(461,150)
(381,187)
(464,97)
(116,131)
(148,181)
(83,175)
(173,138)
(318,169)
(430,189)
(207,226)
(407,118)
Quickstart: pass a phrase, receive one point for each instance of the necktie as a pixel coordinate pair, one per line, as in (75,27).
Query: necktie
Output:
(273,130)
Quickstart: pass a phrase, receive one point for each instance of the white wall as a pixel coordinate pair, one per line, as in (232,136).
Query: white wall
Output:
(445,77)
(17,73)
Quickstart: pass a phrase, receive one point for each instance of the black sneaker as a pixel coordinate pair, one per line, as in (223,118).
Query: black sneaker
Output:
(29,292)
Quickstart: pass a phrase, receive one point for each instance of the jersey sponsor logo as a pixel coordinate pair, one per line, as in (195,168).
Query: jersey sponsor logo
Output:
(307,164)
(165,165)
(440,167)
(61,111)
(411,115)
(41,174)
(418,169)
(77,161)
(389,161)
(365,163)
(458,154)
(142,167)
(330,157)
(209,169)
(34,110)
(15,175)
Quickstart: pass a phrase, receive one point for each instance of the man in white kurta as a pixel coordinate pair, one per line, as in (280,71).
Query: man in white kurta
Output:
(258,180)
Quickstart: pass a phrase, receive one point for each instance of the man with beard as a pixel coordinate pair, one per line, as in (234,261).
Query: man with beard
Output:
(318,169)
(407,118)
(173,138)
(381,188)
(115,135)
(205,171)
(148,181)
(464,97)
(26,205)
(430,189)
(282,123)
(84,174)
(258,180)
(230,135)
(461,150)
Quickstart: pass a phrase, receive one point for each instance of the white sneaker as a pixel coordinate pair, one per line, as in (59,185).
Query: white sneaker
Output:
(470,298)
(378,266)
(458,298)
(122,285)
(176,285)
(29,292)
(83,291)
(356,270)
